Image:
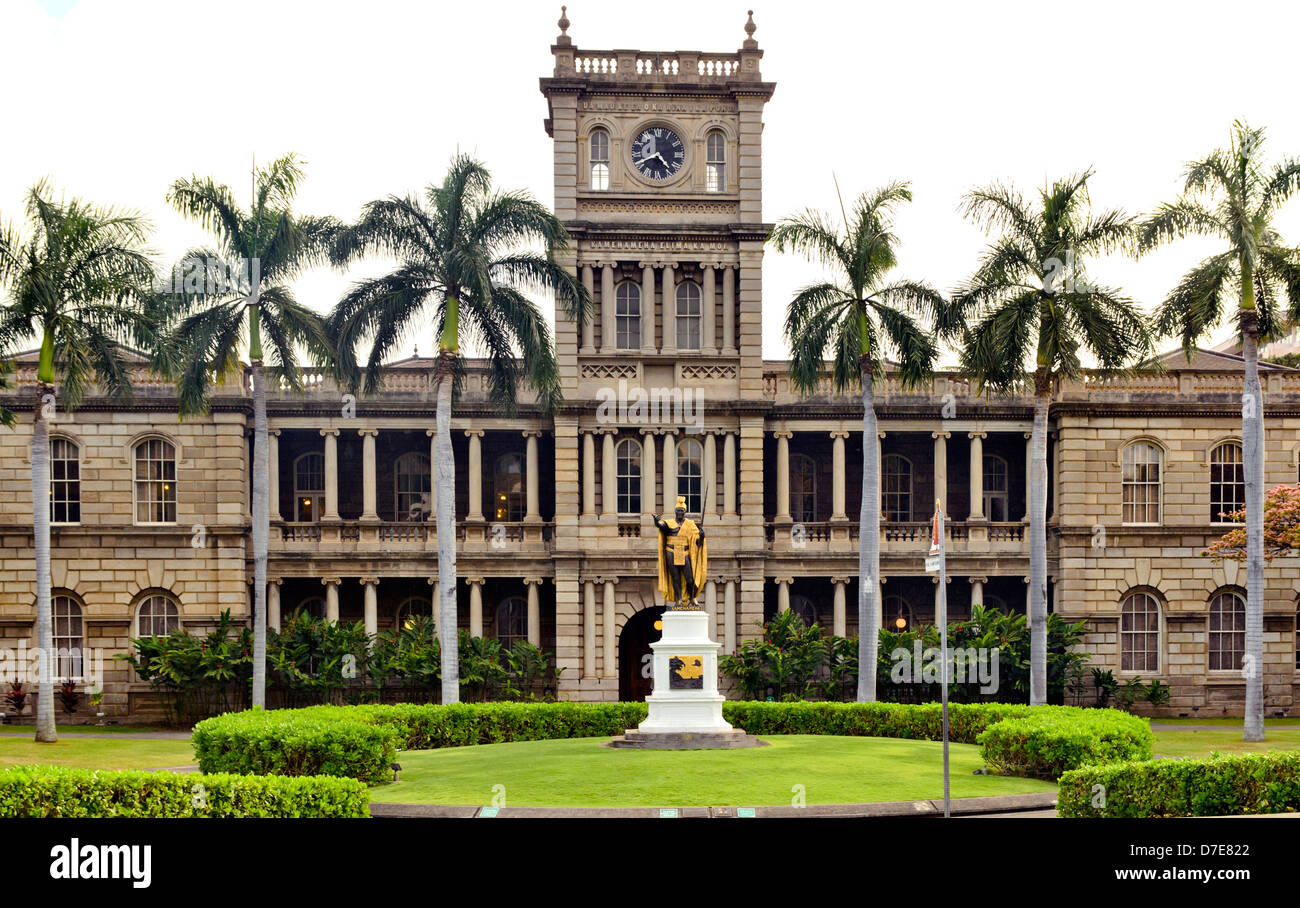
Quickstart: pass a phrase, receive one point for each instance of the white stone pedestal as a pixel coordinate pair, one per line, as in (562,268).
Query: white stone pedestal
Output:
(676,705)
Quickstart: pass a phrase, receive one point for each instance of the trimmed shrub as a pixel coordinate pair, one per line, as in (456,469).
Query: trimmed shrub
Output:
(922,721)
(318,741)
(54,791)
(1217,786)
(1046,742)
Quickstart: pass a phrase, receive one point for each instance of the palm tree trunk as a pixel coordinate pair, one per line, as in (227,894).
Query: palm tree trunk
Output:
(1038,544)
(261,528)
(1252,433)
(869,546)
(45,730)
(444,475)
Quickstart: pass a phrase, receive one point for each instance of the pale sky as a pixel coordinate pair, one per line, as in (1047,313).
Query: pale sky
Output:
(114,99)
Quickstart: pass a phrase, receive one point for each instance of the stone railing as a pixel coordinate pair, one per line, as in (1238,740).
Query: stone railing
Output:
(657,66)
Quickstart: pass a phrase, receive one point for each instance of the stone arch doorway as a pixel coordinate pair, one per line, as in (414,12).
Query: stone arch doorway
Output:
(635,681)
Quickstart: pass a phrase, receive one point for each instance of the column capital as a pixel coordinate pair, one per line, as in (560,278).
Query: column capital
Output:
(711,263)
(839,433)
(533,433)
(606,578)
(840,579)
(785,580)
(644,265)
(328,580)
(669,266)
(935,580)
(473,580)
(528,581)
(881,433)
(606,430)
(432,581)
(1028,436)
(430,432)
(471,433)
(648,431)
(782,434)
(937,435)
(667,430)
(369,581)
(977,579)
(275,580)
(275,432)
(977,435)
(371,432)
(325,432)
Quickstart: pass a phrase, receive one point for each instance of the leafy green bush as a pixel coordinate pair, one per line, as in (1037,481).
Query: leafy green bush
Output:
(1217,786)
(296,742)
(52,791)
(1048,741)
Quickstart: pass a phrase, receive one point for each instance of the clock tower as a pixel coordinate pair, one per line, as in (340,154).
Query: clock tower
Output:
(658,179)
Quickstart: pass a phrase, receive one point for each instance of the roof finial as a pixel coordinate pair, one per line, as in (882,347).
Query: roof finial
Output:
(750,28)
(564,27)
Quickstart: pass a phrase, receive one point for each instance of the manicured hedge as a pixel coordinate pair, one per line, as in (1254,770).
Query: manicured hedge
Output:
(53,791)
(922,721)
(1051,740)
(318,741)
(1216,786)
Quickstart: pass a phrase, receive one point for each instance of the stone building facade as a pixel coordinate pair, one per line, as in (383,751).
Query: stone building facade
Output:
(658,177)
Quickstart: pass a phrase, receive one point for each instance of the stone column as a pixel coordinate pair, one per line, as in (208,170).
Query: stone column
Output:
(532,514)
(534,611)
(941,467)
(331,598)
(710,484)
(708,343)
(588,472)
(647,308)
(475,475)
(782,476)
(607,629)
(647,471)
(729,616)
(475,606)
(838,476)
(588,629)
(1029,459)
(607,322)
(273,604)
(669,292)
(589,329)
(839,619)
(433,485)
(977,591)
(371,596)
(369,498)
(433,585)
(711,605)
(728,311)
(608,477)
(783,593)
(273,474)
(670,472)
(331,474)
(977,475)
(729,474)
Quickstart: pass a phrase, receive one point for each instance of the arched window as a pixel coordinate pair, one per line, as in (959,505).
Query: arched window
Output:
(1139,633)
(803,488)
(69,638)
(804,608)
(512,622)
(157,616)
(897,614)
(1227,481)
(312,606)
(995,488)
(896,488)
(412,487)
(155,481)
(627,316)
(1227,632)
(309,487)
(715,154)
(508,488)
(411,608)
(65,481)
(1141,480)
(598,149)
(688,316)
(628,457)
(690,474)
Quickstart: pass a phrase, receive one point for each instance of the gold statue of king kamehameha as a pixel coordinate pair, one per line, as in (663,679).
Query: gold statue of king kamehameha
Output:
(683,559)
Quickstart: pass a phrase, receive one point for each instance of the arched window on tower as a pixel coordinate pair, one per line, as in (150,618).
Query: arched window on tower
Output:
(628,457)
(715,153)
(599,153)
(627,316)
(688,316)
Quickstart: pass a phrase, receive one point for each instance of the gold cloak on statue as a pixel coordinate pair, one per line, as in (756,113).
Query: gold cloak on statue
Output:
(686,541)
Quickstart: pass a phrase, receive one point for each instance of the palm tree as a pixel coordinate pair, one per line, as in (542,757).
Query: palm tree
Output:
(856,318)
(1233,196)
(80,281)
(462,259)
(1035,312)
(224,297)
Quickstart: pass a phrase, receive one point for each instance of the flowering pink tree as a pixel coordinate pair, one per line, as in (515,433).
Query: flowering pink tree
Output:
(1281,528)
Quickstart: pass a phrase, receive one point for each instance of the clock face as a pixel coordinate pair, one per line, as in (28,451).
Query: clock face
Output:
(658,153)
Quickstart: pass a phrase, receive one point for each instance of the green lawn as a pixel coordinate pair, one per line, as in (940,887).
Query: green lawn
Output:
(582,773)
(1203,737)
(95,753)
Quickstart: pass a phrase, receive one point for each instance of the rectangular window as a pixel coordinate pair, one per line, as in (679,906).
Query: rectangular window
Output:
(1141,481)
(155,482)
(65,482)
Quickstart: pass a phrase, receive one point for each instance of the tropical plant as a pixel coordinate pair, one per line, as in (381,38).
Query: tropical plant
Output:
(69,696)
(221,299)
(463,259)
(857,318)
(1281,528)
(1105,685)
(80,282)
(483,672)
(1035,312)
(16,699)
(1232,196)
